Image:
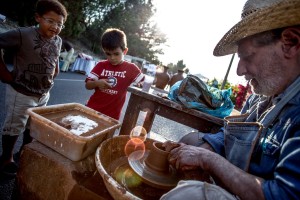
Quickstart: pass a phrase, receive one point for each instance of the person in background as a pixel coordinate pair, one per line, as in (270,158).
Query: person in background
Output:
(162,78)
(36,56)
(257,154)
(110,78)
(68,57)
(177,77)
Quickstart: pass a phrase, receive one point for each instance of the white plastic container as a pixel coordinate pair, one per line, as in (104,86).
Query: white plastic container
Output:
(45,128)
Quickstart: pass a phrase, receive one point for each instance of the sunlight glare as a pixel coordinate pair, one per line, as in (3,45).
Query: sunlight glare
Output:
(193,29)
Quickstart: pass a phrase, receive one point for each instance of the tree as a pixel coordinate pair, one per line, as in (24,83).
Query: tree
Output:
(75,24)
(180,65)
(133,17)
(18,10)
(173,68)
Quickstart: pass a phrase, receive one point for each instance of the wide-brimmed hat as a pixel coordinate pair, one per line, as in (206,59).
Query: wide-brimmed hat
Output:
(259,16)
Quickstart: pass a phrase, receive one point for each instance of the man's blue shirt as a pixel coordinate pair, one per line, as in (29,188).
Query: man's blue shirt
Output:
(277,158)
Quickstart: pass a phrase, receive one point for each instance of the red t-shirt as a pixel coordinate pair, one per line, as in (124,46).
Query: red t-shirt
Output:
(110,101)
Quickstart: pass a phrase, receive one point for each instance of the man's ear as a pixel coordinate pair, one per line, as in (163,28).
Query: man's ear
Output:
(290,38)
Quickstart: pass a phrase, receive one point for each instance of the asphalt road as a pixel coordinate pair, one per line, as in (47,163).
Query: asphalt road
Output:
(68,88)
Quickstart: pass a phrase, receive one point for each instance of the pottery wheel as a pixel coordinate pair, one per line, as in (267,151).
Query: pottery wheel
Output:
(152,177)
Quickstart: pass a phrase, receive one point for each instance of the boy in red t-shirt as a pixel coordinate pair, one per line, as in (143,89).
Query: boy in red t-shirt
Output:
(110,78)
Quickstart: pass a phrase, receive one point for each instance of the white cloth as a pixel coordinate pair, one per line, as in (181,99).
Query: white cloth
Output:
(83,65)
(197,190)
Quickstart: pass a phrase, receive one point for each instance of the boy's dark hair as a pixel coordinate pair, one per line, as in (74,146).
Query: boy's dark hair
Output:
(44,6)
(113,38)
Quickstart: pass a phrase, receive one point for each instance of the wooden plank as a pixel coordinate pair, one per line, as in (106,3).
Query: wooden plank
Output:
(156,105)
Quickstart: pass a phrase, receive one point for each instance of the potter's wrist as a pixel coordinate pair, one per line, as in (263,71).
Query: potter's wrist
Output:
(207,160)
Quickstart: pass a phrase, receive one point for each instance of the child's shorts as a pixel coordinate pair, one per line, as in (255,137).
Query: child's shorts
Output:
(16,104)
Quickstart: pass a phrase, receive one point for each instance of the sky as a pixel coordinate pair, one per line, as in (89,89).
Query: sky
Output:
(193,28)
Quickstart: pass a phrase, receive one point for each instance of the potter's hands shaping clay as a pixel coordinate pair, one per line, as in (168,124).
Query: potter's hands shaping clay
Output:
(169,145)
(184,158)
(188,157)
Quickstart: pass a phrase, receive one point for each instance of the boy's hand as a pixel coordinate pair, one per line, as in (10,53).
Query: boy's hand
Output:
(103,84)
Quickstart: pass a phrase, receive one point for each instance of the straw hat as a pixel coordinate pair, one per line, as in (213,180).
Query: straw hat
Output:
(259,16)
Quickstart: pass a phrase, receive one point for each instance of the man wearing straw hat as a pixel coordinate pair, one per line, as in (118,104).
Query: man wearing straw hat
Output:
(257,154)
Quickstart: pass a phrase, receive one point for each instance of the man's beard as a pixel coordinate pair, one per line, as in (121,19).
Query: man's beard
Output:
(269,80)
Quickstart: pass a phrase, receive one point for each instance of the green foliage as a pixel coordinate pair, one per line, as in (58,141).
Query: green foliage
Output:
(19,10)
(75,24)
(226,86)
(173,68)
(133,17)
(180,65)
(239,92)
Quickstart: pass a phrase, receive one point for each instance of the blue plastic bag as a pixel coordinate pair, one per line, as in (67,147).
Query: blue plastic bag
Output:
(193,93)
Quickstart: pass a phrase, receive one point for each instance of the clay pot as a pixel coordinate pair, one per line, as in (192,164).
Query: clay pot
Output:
(154,168)
(158,158)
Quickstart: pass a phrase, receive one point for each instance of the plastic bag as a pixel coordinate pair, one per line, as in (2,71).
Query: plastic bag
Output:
(192,92)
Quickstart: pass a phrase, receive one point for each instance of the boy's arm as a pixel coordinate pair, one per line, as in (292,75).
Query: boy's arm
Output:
(56,71)
(139,79)
(5,75)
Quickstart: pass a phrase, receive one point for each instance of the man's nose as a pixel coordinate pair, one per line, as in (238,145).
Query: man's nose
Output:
(241,68)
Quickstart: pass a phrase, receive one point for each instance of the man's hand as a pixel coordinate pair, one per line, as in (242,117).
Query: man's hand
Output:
(178,152)
(169,145)
(187,157)
(187,172)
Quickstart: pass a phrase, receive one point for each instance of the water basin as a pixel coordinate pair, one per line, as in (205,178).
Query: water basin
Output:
(120,180)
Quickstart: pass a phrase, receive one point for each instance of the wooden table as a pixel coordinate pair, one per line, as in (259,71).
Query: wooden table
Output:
(157,105)
(46,174)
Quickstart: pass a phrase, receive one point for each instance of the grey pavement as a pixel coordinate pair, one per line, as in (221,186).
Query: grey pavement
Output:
(69,87)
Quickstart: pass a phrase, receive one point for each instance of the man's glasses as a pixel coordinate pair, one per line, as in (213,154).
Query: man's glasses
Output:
(53,23)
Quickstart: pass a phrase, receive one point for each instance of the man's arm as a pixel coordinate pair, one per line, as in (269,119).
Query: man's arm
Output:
(233,179)
(228,176)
